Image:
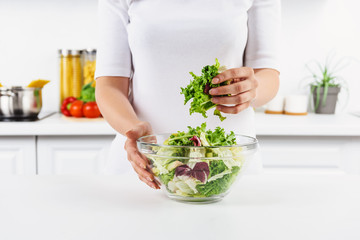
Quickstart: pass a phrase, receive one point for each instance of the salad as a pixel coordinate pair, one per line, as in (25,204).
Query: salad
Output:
(204,170)
(199,87)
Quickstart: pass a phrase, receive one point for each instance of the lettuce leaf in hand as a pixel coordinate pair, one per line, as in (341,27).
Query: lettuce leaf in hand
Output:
(198,90)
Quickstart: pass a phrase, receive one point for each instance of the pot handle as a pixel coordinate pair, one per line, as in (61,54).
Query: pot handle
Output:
(6,93)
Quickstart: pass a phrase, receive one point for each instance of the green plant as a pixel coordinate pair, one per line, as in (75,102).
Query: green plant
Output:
(324,76)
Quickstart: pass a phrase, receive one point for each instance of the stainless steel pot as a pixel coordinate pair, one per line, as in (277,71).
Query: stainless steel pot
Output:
(17,103)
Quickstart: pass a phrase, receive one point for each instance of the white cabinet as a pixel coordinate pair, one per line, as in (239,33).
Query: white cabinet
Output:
(311,151)
(57,145)
(18,155)
(72,154)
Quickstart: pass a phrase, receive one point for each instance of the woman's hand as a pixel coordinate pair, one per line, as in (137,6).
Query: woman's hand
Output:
(138,161)
(241,91)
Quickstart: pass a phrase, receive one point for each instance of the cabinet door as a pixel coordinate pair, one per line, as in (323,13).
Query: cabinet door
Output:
(17,155)
(72,155)
(317,151)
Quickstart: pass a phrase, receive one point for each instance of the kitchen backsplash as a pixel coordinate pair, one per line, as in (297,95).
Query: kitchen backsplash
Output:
(33,31)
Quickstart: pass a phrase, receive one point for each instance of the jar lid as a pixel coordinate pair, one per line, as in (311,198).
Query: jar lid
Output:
(90,50)
(64,52)
(75,52)
(67,52)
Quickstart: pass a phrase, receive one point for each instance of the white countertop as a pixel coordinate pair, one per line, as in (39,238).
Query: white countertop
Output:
(58,125)
(269,206)
(310,125)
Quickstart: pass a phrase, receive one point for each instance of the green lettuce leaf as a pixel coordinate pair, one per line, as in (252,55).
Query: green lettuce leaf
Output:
(88,93)
(216,137)
(218,186)
(198,88)
(166,178)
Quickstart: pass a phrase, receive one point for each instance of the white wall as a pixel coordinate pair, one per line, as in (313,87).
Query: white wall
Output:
(32,31)
(315,29)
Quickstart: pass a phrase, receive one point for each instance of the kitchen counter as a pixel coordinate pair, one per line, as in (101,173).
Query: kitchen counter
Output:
(270,206)
(309,125)
(57,125)
(60,145)
(267,125)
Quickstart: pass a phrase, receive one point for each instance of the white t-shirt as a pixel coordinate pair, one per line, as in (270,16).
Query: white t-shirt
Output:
(158,42)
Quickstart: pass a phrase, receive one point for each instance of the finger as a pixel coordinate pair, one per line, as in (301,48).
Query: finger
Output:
(131,148)
(236,99)
(142,172)
(138,159)
(144,158)
(234,88)
(157,182)
(233,110)
(150,184)
(242,72)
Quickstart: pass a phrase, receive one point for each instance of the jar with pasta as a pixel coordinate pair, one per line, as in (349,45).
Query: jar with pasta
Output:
(71,74)
(66,69)
(77,75)
(89,65)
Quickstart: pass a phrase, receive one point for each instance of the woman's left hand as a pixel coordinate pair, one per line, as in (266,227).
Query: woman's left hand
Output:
(240,93)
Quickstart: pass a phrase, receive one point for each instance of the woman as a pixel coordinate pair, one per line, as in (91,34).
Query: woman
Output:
(147,49)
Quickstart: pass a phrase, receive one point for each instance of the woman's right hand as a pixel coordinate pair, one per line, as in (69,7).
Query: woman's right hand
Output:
(138,161)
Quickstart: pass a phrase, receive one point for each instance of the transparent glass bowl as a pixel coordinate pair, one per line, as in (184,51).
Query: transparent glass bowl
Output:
(198,174)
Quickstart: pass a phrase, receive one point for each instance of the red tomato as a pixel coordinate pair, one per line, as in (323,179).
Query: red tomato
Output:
(76,109)
(91,110)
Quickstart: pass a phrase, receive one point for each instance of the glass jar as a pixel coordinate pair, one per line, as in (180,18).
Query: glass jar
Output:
(89,65)
(71,75)
(65,74)
(76,81)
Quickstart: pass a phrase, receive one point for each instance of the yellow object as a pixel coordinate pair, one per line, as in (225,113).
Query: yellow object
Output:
(39,83)
(295,114)
(1,85)
(65,75)
(76,76)
(71,76)
(89,71)
(273,112)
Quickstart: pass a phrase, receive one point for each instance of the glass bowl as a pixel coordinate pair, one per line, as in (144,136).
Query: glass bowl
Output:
(198,174)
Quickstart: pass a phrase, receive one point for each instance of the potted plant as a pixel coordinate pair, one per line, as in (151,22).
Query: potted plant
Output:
(326,86)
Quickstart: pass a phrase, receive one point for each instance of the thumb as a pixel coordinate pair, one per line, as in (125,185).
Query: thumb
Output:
(138,131)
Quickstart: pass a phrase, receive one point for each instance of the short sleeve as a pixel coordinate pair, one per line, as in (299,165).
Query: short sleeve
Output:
(264,23)
(113,54)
